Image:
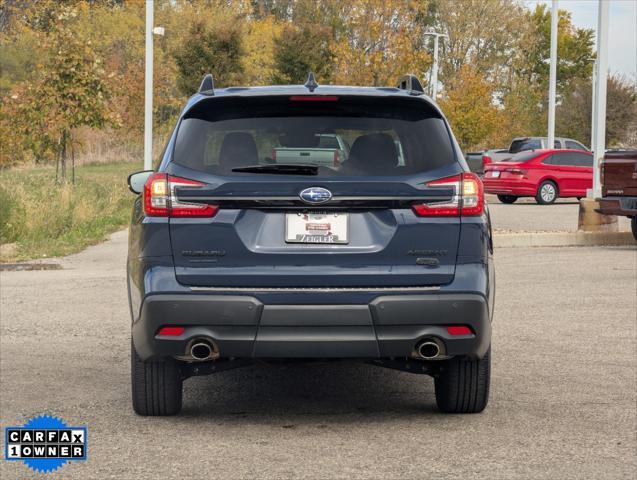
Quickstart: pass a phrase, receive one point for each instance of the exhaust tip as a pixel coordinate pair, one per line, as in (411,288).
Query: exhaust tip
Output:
(428,349)
(201,351)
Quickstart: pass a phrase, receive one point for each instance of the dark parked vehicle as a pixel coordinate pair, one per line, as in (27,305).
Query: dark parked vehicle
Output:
(619,185)
(386,259)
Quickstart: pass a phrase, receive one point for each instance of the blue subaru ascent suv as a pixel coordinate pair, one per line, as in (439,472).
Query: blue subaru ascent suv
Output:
(374,248)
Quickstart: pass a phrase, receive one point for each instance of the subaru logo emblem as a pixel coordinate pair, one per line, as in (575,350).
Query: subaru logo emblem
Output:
(315,195)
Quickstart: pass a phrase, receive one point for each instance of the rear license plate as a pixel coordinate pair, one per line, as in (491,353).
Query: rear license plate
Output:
(316,227)
(494,173)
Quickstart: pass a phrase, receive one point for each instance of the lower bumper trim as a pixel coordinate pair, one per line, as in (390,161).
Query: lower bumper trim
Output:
(243,327)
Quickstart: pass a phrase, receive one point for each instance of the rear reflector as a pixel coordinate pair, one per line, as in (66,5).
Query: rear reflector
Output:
(171,331)
(459,330)
(314,98)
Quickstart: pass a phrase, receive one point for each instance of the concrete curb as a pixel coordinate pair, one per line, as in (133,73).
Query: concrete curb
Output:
(562,239)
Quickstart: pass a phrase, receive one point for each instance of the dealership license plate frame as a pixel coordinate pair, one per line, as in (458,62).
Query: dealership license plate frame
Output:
(337,221)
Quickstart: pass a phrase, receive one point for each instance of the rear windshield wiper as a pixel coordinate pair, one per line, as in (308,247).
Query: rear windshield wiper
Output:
(282,169)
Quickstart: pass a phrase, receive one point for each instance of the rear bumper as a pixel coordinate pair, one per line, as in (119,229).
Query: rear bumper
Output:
(622,206)
(508,187)
(244,326)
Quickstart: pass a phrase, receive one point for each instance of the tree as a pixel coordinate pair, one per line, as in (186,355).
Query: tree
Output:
(69,92)
(379,42)
(520,113)
(487,34)
(259,44)
(575,54)
(573,116)
(215,49)
(300,49)
(468,104)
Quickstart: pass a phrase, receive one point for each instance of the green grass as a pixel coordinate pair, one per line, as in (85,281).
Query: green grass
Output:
(43,219)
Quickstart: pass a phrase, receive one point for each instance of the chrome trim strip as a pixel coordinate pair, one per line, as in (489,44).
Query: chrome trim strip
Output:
(316,289)
(230,198)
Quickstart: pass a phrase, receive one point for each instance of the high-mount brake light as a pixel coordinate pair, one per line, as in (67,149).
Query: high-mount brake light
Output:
(314,98)
(467,198)
(160,199)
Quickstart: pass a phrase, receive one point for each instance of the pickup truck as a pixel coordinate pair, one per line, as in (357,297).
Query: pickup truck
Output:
(329,150)
(619,185)
(477,160)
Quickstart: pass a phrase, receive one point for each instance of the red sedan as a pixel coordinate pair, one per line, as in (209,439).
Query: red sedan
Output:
(543,174)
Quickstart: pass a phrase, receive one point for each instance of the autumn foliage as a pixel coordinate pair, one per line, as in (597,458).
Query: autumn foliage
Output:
(72,71)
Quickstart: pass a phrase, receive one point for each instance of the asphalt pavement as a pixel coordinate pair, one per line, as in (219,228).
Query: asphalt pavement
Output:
(563,400)
(526,215)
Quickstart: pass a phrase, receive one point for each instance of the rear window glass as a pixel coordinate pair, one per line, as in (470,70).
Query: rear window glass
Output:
(328,141)
(574,145)
(349,136)
(522,157)
(526,144)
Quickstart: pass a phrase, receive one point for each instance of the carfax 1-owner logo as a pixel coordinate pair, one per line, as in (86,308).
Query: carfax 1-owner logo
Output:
(45,443)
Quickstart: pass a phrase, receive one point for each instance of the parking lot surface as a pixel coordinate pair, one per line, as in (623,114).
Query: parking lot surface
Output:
(563,402)
(527,216)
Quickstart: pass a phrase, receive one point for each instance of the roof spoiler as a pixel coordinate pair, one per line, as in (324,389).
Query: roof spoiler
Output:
(410,82)
(207,86)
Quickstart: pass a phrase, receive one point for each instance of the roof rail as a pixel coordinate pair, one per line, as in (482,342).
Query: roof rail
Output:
(410,82)
(207,86)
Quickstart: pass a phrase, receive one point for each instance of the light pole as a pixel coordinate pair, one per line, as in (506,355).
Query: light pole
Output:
(599,119)
(148,84)
(589,219)
(593,105)
(148,88)
(434,68)
(552,76)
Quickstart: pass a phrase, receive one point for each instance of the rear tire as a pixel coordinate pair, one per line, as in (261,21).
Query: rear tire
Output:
(463,385)
(633,226)
(547,193)
(507,198)
(157,386)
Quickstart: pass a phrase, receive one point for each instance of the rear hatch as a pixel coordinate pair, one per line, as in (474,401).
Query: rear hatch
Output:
(383,218)
(619,173)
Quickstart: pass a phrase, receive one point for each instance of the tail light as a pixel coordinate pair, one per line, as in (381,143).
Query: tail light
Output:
(337,158)
(467,199)
(160,199)
(515,171)
(486,160)
(273,155)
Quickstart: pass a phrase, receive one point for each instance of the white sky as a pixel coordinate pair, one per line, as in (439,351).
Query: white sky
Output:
(622,41)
